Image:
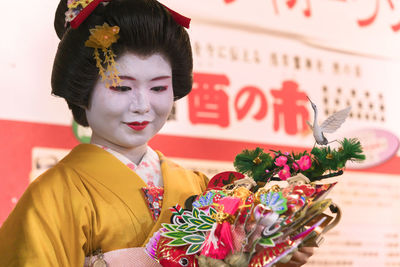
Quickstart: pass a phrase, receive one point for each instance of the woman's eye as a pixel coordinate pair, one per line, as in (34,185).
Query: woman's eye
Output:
(120,88)
(159,88)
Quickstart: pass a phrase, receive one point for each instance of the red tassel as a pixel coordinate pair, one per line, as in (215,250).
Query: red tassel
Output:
(219,241)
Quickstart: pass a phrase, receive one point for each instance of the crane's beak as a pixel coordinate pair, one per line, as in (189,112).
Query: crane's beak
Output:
(312,104)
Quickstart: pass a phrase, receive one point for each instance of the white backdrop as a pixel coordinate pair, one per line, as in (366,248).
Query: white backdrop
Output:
(254,62)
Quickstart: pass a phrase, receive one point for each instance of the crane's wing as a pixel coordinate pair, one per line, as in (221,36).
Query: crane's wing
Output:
(333,122)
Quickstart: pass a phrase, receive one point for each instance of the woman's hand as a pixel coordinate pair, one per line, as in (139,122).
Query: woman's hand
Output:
(125,257)
(299,258)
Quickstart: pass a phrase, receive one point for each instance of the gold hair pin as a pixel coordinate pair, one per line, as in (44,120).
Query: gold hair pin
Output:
(102,37)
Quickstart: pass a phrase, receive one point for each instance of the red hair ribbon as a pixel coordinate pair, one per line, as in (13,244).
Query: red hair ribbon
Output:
(180,19)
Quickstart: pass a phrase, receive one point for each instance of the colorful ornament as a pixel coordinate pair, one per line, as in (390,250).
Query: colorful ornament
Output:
(274,201)
(154,197)
(219,241)
(102,37)
(174,256)
(189,228)
(240,221)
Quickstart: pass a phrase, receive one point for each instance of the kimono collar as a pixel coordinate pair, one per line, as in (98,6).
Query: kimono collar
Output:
(149,168)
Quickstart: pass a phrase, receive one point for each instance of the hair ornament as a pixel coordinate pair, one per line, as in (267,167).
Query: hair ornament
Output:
(79,10)
(180,19)
(102,37)
(76,3)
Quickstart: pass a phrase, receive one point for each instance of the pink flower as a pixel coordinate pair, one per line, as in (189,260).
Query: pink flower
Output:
(284,173)
(280,161)
(295,166)
(304,162)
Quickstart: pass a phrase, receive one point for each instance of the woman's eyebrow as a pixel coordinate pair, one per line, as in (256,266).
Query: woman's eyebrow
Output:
(161,78)
(124,77)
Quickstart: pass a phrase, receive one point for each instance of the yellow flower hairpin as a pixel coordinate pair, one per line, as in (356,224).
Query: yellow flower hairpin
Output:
(102,37)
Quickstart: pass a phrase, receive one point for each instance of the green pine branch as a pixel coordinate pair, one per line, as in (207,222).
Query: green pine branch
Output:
(253,163)
(326,162)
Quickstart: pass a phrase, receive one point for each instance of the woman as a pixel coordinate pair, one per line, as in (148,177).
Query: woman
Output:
(92,200)
(107,195)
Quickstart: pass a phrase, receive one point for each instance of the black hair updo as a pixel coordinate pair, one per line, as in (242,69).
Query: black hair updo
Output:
(146,27)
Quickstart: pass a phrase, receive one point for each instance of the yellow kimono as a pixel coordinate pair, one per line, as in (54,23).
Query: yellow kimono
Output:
(90,200)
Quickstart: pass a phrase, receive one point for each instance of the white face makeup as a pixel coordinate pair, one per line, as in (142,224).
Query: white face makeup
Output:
(126,117)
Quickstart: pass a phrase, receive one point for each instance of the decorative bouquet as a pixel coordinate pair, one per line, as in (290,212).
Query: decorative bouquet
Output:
(259,215)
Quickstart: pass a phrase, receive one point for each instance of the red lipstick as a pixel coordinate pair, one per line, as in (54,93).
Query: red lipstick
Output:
(138,126)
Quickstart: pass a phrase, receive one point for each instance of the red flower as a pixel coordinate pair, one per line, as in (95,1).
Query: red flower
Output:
(280,161)
(284,173)
(304,162)
(295,166)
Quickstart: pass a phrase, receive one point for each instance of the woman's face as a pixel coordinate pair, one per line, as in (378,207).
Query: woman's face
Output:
(129,115)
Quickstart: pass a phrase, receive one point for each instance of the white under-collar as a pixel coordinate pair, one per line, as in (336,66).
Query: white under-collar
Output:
(149,168)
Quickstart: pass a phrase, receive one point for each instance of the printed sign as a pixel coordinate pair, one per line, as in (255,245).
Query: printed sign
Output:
(253,88)
(351,26)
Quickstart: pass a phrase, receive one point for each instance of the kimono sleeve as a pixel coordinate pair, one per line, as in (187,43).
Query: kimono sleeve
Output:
(49,225)
(203,180)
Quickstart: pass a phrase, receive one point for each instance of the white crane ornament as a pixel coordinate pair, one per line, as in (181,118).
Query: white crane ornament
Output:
(330,125)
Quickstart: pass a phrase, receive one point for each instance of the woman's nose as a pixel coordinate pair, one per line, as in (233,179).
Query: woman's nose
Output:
(140,102)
